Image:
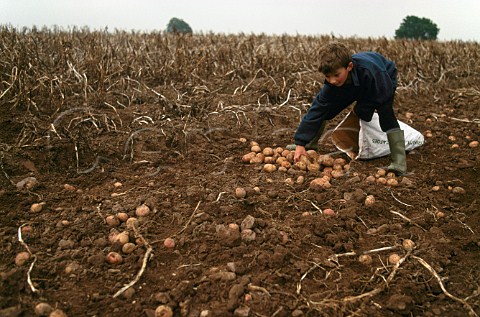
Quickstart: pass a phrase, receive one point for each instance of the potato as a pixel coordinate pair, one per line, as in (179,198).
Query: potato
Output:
(312,155)
(280,160)
(22,258)
(365,259)
(473,144)
(337,174)
(256,160)
(285,153)
(289,181)
(313,167)
(382,180)
(142,210)
(122,238)
(282,169)
(393,258)
(169,243)
(328,212)
(114,258)
(247,157)
(370,200)
(327,160)
(279,150)
(337,167)
(300,179)
(286,164)
(36,207)
(128,248)
(327,171)
(269,168)
(269,160)
(320,183)
(381,172)
(371,179)
(43,309)
(163,311)
(268,151)
(408,244)
(301,166)
(240,192)
(112,221)
(256,149)
(122,216)
(340,161)
(392,182)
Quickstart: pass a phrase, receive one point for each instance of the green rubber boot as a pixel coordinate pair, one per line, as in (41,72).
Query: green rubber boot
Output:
(396,142)
(313,144)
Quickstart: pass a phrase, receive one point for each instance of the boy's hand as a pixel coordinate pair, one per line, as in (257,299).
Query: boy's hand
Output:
(299,151)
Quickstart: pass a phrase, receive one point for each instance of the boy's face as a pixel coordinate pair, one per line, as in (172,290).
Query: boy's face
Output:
(339,76)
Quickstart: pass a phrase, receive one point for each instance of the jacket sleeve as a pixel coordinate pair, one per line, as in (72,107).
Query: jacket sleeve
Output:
(324,107)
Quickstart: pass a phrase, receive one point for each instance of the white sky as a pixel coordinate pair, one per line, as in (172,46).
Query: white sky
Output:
(457,20)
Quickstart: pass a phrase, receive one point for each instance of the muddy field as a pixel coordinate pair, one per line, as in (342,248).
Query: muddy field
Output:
(98,129)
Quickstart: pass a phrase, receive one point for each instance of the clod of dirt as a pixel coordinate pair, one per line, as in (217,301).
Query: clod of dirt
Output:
(27,183)
(228,236)
(243,311)
(248,235)
(234,294)
(248,222)
(400,303)
(357,195)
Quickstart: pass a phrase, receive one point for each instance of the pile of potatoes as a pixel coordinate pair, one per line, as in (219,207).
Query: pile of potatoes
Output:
(279,159)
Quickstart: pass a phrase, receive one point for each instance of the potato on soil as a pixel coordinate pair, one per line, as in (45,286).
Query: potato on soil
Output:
(142,210)
(43,309)
(256,149)
(268,151)
(473,144)
(163,311)
(22,258)
(114,258)
(240,192)
(328,212)
(169,243)
(320,183)
(326,160)
(393,258)
(247,157)
(365,259)
(408,244)
(269,168)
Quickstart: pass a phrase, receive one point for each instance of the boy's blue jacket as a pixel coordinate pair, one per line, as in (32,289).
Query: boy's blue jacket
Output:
(372,85)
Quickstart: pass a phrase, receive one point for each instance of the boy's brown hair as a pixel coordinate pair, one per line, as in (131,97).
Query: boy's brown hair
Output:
(332,56)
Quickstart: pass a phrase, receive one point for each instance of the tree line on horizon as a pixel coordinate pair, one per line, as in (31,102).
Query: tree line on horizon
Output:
(412,27)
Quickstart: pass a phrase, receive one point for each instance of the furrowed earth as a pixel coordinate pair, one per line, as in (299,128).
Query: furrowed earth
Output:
(95,125)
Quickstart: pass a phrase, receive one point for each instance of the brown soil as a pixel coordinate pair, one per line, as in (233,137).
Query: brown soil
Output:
(185,167)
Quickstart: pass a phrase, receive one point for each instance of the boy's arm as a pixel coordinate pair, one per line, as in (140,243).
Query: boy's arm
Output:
(312,120)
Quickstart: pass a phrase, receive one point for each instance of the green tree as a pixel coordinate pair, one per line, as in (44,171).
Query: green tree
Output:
(178,26)
(417,28)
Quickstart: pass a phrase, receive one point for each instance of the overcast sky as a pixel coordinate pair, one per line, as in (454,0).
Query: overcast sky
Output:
(456,19)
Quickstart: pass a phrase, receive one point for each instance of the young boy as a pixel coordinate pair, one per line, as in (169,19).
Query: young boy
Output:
(367,78)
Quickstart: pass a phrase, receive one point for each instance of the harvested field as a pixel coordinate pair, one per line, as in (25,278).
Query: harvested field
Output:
(97,128)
